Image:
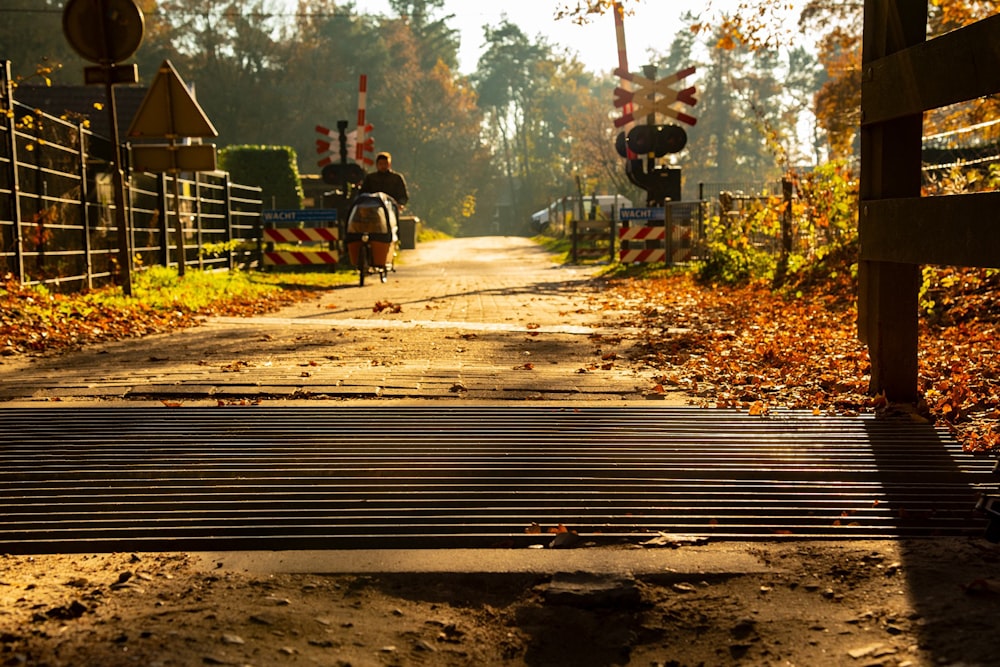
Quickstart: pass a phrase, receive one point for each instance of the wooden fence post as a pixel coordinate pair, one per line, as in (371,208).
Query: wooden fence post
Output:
(785,250)
(890,168)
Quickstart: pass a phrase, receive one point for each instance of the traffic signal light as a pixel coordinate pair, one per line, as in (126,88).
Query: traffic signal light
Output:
(656,139)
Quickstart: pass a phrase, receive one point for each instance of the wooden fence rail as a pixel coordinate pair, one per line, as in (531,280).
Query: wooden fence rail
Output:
(57,214)
(904,75)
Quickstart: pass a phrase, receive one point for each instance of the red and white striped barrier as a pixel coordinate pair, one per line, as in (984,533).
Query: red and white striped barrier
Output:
(642,233)
(619,13)
(649,255)
(298,234)
(299,257)
(361,146)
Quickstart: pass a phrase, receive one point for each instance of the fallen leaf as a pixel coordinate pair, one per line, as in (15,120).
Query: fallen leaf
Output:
(387,305)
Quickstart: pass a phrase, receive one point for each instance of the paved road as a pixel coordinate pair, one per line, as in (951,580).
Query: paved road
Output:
(490,318)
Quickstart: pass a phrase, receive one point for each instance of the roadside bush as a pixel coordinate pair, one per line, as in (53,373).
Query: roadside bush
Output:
(745,243)
(273,168)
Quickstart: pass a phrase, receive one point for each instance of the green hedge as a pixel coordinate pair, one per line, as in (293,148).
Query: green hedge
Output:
(273,168)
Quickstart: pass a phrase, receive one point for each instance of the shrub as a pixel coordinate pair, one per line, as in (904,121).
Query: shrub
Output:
(273,168)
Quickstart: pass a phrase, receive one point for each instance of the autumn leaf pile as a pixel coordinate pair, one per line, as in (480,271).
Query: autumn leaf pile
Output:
(753,348)
(38,322)
(734,346)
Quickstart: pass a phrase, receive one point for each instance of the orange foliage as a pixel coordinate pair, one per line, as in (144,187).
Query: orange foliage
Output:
(750,348)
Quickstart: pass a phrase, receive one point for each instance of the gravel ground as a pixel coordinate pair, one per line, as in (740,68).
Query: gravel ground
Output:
(797,603)
(466,320)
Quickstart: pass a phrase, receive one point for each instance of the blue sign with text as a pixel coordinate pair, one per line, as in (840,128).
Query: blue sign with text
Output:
(299,215)
(653,213)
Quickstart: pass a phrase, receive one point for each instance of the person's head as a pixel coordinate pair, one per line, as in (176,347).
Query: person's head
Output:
(383,161)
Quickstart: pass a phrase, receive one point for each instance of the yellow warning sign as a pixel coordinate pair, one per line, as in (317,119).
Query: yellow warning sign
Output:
(169,110)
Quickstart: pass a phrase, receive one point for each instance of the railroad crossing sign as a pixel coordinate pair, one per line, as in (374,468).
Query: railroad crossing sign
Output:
(325,147)
(651,97)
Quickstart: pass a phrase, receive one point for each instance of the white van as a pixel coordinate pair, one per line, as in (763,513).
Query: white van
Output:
(568,208)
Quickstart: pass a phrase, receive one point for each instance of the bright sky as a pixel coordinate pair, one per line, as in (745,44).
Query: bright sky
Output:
(653,25)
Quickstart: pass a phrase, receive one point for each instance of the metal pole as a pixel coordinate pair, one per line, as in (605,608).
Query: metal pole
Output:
(117,175)
(228,197)
(118,178)
(15,190)
(199,222)
(88,250)
(179,231)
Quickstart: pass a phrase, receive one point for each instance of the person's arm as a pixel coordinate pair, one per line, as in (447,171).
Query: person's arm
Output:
(404,196)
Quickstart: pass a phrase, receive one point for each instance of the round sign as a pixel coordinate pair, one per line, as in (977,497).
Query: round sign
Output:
(103,31)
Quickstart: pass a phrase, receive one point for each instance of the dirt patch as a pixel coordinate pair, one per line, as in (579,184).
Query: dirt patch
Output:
(928,602)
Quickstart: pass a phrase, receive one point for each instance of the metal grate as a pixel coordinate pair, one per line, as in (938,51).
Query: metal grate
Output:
(102,479)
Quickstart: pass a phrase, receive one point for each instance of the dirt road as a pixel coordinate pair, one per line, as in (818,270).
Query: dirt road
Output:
(491,318)
(474,319)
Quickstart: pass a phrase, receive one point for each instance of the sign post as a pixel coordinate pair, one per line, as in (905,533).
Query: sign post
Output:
(653,97)
(169,111)
(107,32)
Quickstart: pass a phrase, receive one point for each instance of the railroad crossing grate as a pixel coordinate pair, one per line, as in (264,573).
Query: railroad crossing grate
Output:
(431,475)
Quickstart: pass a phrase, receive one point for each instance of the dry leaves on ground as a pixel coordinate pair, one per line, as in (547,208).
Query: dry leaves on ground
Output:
(749,347)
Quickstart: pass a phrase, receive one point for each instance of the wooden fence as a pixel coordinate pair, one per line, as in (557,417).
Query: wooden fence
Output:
(904,75)
(57,222)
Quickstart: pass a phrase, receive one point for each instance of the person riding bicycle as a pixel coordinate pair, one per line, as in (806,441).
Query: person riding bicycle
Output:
(384,179)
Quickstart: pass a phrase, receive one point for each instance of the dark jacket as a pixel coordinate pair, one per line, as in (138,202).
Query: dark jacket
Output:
(390,182)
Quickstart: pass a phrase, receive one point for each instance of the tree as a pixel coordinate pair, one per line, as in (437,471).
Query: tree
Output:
(437,40)
(801,83)
(229,52)
(324,53)
(32,38)
(838,101)
(530,96)
(429,120)
(506,81)
(591,138)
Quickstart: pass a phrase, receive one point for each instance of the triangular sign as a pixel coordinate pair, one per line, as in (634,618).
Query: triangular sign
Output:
(168,110)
